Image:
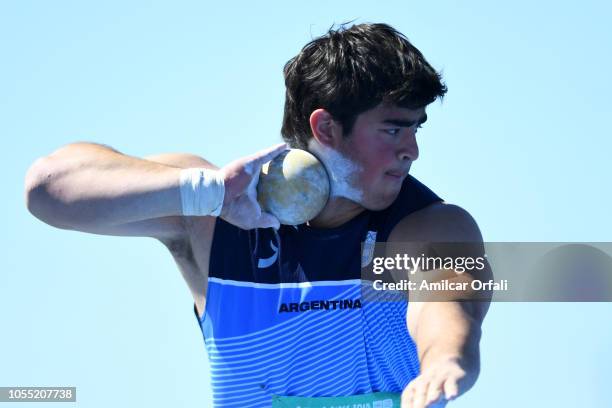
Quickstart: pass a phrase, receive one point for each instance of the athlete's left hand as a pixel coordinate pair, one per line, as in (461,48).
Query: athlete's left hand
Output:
(440,382)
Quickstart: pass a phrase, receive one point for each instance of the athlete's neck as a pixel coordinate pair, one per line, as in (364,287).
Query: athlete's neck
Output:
(336,212)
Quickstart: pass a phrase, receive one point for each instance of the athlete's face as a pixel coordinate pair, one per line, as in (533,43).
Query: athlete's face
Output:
(383,145)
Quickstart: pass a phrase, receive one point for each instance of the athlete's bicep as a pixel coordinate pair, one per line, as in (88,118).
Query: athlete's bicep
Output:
(449,232)
(181,160)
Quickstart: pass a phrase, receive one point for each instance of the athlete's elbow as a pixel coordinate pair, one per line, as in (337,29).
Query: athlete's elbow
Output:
(38,199)
(35,179)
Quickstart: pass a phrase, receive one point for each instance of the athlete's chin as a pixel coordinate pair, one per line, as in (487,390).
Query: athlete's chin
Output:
(382,200)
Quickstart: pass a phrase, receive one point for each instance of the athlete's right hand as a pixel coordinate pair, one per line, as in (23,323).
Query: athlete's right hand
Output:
(240,206)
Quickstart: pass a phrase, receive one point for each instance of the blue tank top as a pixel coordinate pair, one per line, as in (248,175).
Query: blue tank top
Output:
(285,313)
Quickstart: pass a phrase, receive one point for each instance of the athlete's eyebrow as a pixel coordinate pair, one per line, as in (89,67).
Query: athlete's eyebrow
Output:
(405,123)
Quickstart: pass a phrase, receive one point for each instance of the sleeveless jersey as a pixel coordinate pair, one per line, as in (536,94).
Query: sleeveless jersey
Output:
(285,315)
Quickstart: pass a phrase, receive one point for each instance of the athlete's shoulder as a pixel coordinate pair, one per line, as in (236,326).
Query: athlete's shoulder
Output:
(414,190)
(414,196)
(437,222)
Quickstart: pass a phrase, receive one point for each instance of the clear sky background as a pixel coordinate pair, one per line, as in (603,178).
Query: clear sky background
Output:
(522,141)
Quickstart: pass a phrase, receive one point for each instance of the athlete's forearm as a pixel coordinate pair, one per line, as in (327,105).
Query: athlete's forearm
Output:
(85,184)
(450,331)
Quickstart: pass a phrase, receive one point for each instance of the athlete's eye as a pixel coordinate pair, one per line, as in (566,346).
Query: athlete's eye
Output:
(393,132)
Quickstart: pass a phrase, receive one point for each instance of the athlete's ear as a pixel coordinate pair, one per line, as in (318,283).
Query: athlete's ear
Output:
(325,129)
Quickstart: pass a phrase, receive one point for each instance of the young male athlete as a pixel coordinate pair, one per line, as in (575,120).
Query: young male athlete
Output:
(281,307)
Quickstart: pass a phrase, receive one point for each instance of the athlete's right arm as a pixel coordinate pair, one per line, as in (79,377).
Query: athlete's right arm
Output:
(94,188)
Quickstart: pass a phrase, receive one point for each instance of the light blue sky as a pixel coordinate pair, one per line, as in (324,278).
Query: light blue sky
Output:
(522,141)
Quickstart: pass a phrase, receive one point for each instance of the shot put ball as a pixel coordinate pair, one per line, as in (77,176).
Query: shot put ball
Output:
(293,187)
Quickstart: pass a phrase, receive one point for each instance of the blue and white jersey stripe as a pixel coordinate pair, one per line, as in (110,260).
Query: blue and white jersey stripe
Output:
(329,352)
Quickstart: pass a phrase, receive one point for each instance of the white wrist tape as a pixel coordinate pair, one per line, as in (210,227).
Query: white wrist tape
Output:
(202,191)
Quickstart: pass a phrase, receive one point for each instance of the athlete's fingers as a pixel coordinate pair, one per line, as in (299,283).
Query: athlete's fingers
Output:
(406,397)
(267,220)
(434,391)
(451,388)
(420,393)
(439,403)
(268,154)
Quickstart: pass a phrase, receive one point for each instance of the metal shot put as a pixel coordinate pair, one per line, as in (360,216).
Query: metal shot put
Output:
(293,187)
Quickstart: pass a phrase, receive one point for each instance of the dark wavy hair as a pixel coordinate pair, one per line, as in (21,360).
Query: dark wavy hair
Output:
(351,70)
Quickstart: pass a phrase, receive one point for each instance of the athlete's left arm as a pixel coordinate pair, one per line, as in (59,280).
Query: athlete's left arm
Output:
(447,333)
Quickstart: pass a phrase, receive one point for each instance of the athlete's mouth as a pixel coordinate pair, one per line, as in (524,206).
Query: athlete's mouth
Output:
(396,174)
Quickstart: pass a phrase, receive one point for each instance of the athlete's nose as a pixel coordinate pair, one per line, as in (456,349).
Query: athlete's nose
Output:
(410,149)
